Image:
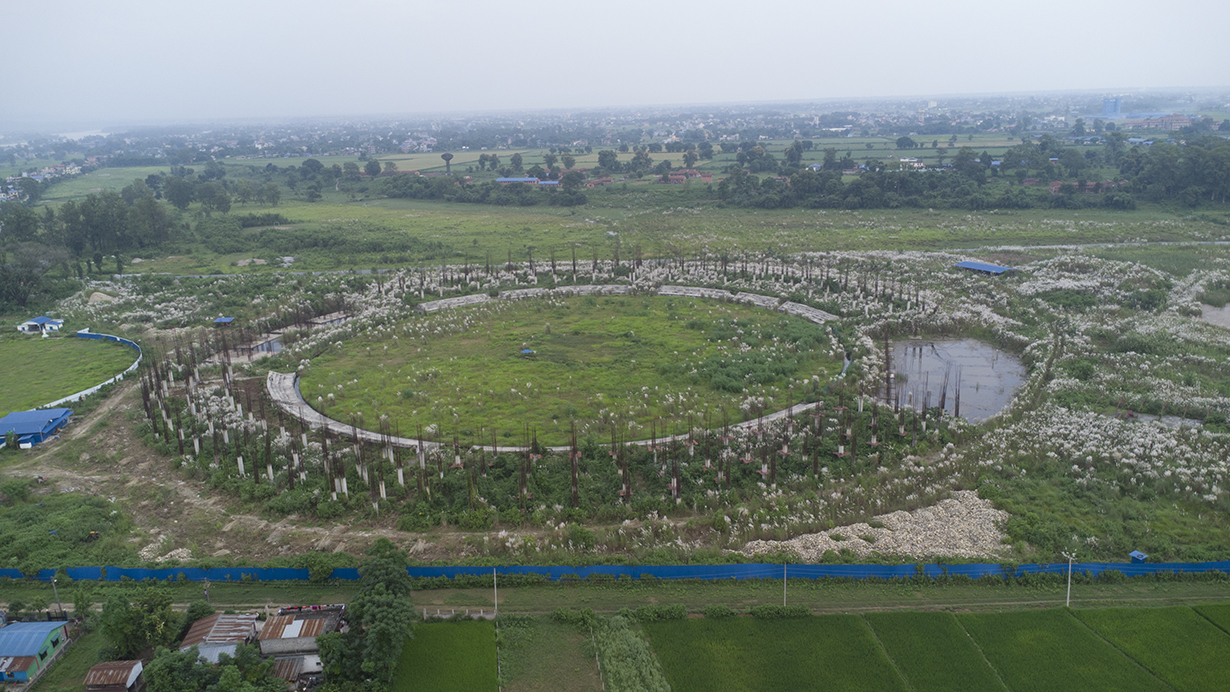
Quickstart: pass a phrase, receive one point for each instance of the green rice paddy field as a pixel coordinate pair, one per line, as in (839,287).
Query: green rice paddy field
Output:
(39,371)
(447,657)
(1175,648)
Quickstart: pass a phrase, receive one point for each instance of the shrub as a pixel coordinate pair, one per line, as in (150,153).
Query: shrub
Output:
(650,613)
(776,612)
(720,610)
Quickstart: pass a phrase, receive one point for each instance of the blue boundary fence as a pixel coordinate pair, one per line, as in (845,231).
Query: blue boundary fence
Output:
(702,572)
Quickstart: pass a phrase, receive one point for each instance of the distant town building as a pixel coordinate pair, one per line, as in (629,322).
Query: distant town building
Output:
(1111,107)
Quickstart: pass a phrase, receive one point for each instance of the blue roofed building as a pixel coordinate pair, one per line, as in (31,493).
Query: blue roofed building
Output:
(40,324)
(33,427)
(26,648)
(983,267)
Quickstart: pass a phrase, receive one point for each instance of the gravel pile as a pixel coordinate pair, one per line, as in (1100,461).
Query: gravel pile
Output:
(964,526)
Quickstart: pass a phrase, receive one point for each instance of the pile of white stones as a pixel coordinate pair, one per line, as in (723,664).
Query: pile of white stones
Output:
(963,526)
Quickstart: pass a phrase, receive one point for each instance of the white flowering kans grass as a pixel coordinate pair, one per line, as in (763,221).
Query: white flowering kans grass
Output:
(1085,364)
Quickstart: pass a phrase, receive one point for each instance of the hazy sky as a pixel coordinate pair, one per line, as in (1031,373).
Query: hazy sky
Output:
(121,61)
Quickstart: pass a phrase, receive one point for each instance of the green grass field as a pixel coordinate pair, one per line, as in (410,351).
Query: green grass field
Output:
(932,652)
(43,370)
(448,656)
(1052,650)
(593,358)
(827,652)
(69,671)
(1176,644)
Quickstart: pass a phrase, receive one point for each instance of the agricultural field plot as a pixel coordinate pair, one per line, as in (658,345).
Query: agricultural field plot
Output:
(40,371)
(546,362)
(1176,644)
(1052,650)
(1218,614)
(538,655)
(448,657)
(933,653)
(68,672)
(827,652)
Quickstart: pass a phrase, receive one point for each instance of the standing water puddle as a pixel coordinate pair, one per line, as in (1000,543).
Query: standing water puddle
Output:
(987,377)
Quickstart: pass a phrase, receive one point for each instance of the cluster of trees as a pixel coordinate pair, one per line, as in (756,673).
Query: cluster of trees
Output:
(1195,172)
(381,618)
(568,193)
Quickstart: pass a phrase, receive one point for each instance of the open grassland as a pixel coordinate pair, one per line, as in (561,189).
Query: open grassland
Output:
(1051,650)
(447,657)
(39,371)
(636,358)
(101,180)
(69,670)
(933,653)
(829,652)
(539,655)
(1176,644)
(660,221)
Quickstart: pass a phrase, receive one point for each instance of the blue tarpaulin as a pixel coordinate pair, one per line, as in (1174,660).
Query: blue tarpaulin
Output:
(983,267)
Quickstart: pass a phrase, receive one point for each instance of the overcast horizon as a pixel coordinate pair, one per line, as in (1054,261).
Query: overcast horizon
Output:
(133,62)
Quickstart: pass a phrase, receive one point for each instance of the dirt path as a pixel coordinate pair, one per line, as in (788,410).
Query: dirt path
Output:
(99,454)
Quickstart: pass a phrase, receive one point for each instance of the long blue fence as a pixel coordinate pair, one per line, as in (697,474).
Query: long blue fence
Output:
(702,572)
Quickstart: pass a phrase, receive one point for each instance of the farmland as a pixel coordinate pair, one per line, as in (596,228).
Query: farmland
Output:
(447,657)
(40,371)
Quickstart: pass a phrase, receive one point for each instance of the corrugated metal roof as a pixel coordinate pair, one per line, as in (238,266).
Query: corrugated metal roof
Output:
(28,423)
(25,638)
(288,669)
(15,664)
(983,267)
(219,629)
(111,673)
(286,626)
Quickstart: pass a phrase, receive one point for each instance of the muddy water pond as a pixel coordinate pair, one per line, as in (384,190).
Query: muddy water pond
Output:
(987,377)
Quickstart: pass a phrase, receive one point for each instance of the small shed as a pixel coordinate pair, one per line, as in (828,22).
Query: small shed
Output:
(1137,557)
(983,267)
(33,427)
(223,321)
(27,647)
(219,634)
(40,324)
(115,676)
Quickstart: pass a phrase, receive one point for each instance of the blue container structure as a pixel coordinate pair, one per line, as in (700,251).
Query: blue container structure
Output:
(33,427)
(1137,557)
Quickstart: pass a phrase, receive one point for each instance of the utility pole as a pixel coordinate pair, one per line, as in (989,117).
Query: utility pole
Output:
(1068,602)
(57,593)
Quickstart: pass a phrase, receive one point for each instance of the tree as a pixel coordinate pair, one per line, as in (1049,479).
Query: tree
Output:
(381,618)
(906,143)
(273,194)
(608,160)
(549,159)
(133,626)
(188,671)
(516,162)
(390,167)
(568,160)
(372,168)
(312,167)
(18,223)
(690,157)
(1078,130)
(213,197)
(178,192)
(350,170)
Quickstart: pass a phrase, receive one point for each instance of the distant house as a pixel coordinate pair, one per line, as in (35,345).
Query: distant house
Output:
(509,181)
(115,676)
(599,182)
(223,321)
(33,427)
(219,634)
(26,648)
(40,324)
